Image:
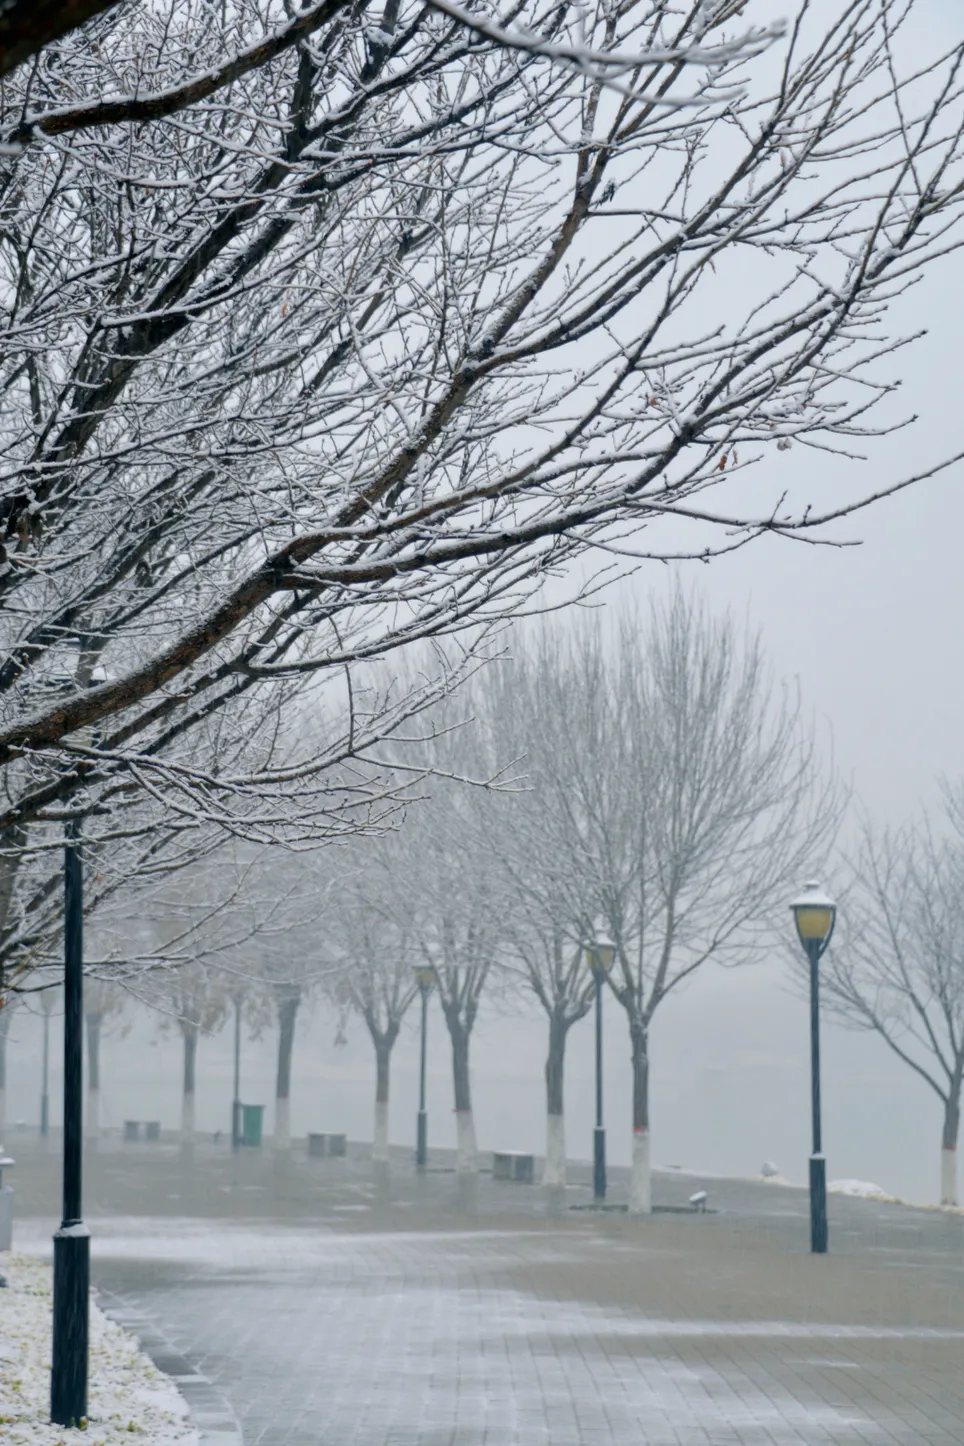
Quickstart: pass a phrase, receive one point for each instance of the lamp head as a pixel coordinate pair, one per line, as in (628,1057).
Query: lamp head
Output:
(424,977)
(814,913)
(600,954)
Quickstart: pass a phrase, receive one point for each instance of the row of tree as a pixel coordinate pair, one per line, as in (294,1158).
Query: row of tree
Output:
(646,780)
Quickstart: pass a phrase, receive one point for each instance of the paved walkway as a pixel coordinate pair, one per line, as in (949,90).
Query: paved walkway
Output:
(332,1305)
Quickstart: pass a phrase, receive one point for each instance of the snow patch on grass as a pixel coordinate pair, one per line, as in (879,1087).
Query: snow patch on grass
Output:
(129,1399)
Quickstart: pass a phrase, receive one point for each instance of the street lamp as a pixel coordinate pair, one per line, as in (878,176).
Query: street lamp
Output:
(71,1304)
(68,1373)
(600,955)
(236,1113)
(815,913)
(424,978)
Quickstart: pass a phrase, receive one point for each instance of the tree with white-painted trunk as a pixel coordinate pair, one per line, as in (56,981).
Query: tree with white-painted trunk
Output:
(455,922)
(675,794)
(371,943)
(727,805)
(103,1002)
(897,965)
(524,708)
(198,999)
(464,934)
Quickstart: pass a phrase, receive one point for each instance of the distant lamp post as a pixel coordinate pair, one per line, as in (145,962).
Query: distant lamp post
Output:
(600,956)
(815,913)
(236,1112)
(425,979)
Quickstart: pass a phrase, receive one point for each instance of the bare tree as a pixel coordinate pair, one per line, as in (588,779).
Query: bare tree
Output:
(373,928)
(103,1001)
(284,898)
(455,922)
(528,714)
(353,344)
(198,1000)
(897,967)
(676,794)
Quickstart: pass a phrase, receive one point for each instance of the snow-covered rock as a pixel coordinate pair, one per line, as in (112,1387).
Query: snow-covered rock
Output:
(129,1398)
(866,1189)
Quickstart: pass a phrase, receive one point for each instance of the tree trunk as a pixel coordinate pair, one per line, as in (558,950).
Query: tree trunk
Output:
(383,1060)
(94,1021)
(467,1159)
(287,1011)
(3,1079)
(640,1189)
(187,1097)
(554,1173)
(952,1118)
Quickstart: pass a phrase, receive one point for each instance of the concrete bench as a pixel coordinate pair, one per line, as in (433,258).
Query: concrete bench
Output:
(511,1165)
(152,1130)
(132,1129)
(321,1145)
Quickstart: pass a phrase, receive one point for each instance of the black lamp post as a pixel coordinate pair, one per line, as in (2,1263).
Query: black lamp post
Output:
(600,955)
(815,914)
(236,1102)
(68,1376)
(424,978)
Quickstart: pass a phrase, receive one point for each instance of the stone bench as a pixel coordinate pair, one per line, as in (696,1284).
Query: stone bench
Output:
(132,1130)
(322,1145)
(512,1165)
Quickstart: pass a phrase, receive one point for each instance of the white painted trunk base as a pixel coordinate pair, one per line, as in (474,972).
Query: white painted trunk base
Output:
(93,1114)
(467,1162)
(187,1119)
(554,1173)
(282,1124)
(380,1138)
(640,1186)
(948,1177)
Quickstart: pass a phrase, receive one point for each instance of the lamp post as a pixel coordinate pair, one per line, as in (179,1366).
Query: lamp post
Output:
(600,955)
(424,978)
(815,913)
(71,1303)
(68,1375)
(236,1102)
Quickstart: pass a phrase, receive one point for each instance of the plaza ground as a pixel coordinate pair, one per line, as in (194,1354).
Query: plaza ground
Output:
(332,1301)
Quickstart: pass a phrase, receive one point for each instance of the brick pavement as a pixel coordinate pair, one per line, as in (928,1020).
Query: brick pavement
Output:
(371,1311)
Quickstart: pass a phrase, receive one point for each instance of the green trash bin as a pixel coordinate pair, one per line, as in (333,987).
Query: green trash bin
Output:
(251,1118)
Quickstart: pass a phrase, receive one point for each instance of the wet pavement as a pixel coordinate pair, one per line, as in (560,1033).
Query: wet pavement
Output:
(330,1301)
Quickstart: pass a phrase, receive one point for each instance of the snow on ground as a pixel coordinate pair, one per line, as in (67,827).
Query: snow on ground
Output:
(128,1397)
(866,1189)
